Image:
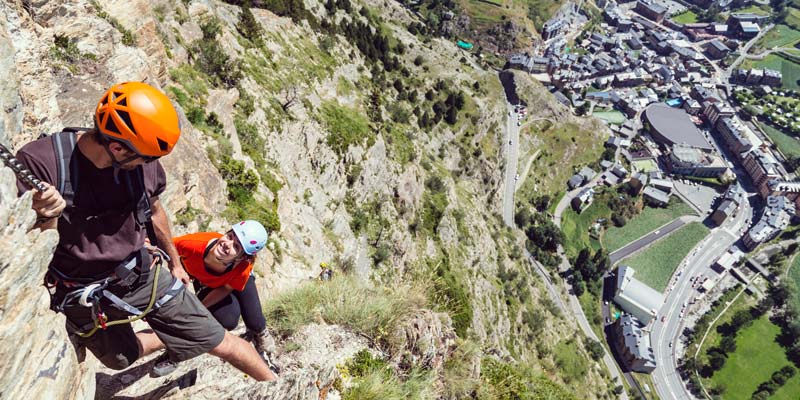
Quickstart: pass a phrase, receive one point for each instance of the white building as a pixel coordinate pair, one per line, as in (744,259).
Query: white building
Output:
(635,297)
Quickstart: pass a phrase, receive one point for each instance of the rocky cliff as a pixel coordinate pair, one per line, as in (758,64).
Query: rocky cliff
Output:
(358,142)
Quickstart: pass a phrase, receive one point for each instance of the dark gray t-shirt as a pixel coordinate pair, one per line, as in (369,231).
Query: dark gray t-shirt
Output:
(91,247)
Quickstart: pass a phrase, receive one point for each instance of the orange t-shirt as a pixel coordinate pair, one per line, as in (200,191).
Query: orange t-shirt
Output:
(192,248)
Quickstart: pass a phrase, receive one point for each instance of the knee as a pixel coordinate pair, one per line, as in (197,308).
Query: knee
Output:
(228,323)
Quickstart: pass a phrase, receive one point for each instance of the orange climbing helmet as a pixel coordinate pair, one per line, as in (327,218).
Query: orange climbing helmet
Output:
(139,116)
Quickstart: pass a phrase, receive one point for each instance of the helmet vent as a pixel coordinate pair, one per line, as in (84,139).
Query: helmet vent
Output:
(117,94)
(164,146)
(127,119)
(105,100)
(123,102)
(111,126)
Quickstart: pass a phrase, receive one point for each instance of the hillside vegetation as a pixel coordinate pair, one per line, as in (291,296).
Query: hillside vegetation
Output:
(368,142)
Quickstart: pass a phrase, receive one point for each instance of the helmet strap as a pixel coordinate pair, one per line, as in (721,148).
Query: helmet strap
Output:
(117,165)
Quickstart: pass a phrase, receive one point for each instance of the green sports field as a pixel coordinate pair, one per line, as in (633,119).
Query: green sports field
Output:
(655,265)
(647,221)
(612,117)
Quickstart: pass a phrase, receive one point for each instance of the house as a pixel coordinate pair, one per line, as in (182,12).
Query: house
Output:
(638,182)
(609,179)
(583,199)
(727,260)
(714,111)
(619,171)
(613,141)
(775,218)
(650,9)
(748,30)
(727,208)
(635,297)
(633,344)
(655,196)
(553,27)
(772,78)
(574,181)
(754,77)
(587,173)
(663,185)
(691,106)
(717,49)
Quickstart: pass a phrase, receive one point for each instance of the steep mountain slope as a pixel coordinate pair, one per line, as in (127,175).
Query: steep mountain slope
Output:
(360,144)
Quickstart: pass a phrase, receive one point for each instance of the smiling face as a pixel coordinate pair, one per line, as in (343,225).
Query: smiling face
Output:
(227,249)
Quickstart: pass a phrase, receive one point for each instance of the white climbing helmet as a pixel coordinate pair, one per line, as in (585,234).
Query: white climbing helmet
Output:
(252,235)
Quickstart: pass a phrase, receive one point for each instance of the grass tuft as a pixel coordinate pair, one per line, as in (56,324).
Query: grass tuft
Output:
(346,301)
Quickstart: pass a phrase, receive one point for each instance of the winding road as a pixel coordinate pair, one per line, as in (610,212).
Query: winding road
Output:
(511,139)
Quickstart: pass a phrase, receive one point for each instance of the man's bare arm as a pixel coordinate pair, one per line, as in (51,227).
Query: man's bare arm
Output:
(164,236)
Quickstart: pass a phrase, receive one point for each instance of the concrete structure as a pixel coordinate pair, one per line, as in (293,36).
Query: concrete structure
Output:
(633,344)
(670,126)
(635,297)
(685,160)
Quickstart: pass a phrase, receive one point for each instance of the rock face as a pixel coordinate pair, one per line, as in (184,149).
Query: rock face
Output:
(309,372)
(36,358)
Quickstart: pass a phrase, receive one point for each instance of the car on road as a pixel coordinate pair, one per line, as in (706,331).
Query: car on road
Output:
(663,318)
(670,344)
(657,232)
(519,123)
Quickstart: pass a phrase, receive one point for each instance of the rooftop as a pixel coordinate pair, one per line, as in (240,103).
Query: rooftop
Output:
(675,126)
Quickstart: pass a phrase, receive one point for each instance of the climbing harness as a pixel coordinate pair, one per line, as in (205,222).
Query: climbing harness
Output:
(87,292)
(89,295)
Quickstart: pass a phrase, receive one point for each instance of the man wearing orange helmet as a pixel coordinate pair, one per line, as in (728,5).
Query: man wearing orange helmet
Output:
(102,188)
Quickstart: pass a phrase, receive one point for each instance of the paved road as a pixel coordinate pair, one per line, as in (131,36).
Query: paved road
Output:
(650,238)
(511,142)
(668,382)
(743,52)
(512,134)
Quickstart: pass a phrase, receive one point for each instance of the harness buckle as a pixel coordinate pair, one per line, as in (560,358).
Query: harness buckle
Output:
(86,292)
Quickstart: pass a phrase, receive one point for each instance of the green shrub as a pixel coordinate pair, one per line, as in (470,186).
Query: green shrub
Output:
(346,301)
(127,36)
(241,186)
(375,379)
(507,381)
(345,126)
(451,295)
